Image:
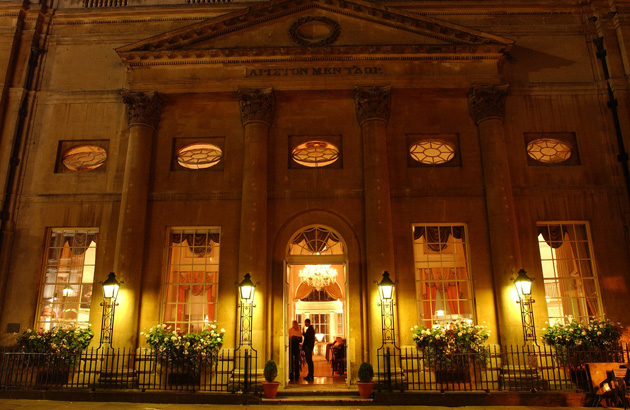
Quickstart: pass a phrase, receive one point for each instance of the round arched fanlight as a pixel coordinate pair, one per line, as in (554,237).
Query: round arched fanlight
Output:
(199,155)
(315,154)
(84,157)
(549,150)
(314,31)
(432,151)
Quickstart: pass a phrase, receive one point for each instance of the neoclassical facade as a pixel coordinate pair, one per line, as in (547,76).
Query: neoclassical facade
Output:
(314,144)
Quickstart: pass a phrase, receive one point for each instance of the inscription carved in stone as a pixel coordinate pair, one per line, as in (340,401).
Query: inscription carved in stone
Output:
(372,103)
(488,101)
(142,108)
(257,105)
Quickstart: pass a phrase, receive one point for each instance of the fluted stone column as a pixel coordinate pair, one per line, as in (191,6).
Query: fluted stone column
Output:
(488,110)
(257,108)
(143,112)
(372,106)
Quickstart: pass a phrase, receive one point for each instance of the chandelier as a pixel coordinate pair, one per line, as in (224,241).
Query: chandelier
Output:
(318,276)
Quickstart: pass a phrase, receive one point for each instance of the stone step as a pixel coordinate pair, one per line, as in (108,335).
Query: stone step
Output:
(318,400)
(298,392)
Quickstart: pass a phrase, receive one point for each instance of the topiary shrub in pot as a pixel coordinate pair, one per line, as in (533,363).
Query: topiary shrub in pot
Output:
(270,386)
(365,383)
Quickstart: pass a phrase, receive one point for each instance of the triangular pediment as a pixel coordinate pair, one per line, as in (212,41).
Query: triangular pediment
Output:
(281,30)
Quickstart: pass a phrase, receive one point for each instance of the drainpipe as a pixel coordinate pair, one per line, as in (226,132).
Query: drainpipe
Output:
(622,157)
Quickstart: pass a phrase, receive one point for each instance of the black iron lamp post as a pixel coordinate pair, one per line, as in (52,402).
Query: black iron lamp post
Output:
(523,284)
(386,293)
(110,293)
(246,290)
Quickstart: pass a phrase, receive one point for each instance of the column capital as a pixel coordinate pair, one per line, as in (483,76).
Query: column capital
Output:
(372,103)
(488,102)
(142,108)
(257,105)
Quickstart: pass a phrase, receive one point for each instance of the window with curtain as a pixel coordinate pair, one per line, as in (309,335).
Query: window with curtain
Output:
(192,276)
(570,279)
(68,277)
(443,285)
(321,323)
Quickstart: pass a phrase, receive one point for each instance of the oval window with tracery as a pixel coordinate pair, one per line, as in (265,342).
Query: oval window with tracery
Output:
(432,151)
(84,158)
(199,155)
(315,154)
(549,150)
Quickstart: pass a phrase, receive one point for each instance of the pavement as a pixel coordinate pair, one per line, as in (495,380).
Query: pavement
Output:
(20,404)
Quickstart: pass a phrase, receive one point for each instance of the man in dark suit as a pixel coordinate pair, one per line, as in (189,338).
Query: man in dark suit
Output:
(308,345)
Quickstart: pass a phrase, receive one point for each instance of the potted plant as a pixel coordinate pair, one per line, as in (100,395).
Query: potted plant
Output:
(54,352)
(270,386)
(365,383)
(185,355)
(450,349)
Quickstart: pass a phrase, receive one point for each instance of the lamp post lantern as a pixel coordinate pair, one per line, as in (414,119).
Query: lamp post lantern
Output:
(523,284)
(386,293)
(246,290)
(110,294)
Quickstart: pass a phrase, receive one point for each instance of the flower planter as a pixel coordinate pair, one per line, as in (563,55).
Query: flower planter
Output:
(48,377)
(184,379)
(365,389)
(452,376)
(270,389)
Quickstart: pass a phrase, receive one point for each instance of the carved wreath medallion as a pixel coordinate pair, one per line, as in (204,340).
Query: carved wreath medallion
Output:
(314,31)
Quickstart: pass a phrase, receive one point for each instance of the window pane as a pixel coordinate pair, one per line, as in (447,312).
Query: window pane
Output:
(568,272)
(69,273)
(443,286)
(191,279)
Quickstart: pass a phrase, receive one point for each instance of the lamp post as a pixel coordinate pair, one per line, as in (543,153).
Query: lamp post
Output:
(246,290)
(523,284)
(110,293)
(386,293)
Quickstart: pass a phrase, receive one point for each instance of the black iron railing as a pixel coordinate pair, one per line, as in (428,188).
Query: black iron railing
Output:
(142,369)
(495,368)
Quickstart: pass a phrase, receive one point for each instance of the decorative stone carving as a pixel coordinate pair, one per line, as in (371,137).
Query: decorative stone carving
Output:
(488,101)
(372,103)
(314,31)
(257,105)
(142,108)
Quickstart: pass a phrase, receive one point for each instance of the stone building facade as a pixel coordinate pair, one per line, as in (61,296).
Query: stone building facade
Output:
(184,144)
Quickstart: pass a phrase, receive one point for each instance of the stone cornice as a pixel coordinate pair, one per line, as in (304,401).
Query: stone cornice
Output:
(187,37)
(337,53)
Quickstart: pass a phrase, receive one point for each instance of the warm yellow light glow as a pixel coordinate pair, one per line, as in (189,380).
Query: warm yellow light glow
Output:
(246,289)
(67,291)
(523,284)
(439,313)
(110,287)
(319,336)
(386,287)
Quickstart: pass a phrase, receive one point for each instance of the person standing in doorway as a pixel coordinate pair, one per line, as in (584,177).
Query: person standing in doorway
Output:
(295,338)
(308,346)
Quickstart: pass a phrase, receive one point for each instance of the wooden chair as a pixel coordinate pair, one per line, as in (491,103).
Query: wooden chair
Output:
(339,359)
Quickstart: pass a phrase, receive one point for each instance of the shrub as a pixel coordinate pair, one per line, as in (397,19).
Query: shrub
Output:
(454,345)
(186,350)
(366,372)
(271,371)
(62,343)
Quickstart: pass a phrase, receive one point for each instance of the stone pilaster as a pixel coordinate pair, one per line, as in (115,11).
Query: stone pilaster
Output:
(372,106)
(143,112)
(487,104)
(257,107)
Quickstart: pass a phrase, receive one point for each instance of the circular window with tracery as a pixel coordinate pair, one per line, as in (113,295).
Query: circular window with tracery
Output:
(199,155)
(549,150)
(432,151)
(315,154)
(84,158)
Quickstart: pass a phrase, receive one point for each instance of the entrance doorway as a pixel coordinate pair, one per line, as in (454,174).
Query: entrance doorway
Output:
(316,289)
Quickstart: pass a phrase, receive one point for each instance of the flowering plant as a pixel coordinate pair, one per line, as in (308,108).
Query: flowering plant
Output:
(62,343)
(577,342)
(186,350)
(452,346)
